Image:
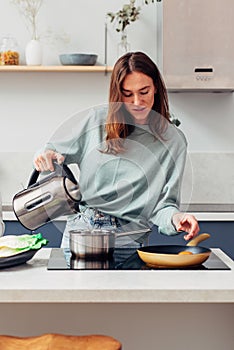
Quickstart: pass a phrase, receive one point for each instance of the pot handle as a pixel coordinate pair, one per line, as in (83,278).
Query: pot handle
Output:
(62,170)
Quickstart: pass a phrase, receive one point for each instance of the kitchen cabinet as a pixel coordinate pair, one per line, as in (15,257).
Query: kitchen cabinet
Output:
(197,45)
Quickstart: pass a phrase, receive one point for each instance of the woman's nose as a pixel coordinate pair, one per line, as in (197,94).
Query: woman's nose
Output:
(136,100)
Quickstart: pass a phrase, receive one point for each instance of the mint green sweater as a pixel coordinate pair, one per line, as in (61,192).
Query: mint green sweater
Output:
(141,187)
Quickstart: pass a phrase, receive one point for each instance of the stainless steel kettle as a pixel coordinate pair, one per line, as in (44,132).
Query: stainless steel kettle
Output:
(54,195)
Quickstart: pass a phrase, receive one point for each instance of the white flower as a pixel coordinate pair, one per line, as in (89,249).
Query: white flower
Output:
(29,9)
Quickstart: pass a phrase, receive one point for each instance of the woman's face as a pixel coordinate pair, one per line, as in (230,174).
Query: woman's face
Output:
(138,95)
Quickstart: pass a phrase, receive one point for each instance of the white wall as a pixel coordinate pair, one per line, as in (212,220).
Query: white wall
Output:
(34,104)
(82,22)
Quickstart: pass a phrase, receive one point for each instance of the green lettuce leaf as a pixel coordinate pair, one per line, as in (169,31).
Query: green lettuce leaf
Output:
(15,244)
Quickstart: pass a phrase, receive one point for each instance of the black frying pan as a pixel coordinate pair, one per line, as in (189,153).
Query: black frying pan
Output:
(176,255)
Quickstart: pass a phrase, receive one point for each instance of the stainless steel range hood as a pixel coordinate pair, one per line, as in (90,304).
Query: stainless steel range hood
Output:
(198,45)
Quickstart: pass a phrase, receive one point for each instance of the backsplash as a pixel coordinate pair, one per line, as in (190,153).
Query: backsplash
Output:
(208,177)
(15,170)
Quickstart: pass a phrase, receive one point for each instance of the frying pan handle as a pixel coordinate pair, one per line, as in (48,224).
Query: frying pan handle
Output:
(202,237)
(63,170)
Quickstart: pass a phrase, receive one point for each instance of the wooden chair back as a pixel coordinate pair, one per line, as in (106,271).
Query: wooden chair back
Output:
(53,341)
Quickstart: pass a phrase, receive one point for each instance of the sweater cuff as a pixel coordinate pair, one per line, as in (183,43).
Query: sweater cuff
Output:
(167,227)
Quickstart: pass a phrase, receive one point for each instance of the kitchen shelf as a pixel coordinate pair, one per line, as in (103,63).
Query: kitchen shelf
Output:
(85,69)
(97,69)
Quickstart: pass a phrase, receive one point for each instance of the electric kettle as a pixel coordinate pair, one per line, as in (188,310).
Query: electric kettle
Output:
(52,196)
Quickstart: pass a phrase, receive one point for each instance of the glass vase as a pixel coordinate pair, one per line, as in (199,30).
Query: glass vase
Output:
(123,46)
(33,53)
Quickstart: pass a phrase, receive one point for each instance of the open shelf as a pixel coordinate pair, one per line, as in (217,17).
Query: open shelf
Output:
(21,68)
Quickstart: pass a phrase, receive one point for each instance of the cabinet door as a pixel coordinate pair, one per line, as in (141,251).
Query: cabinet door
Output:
(198,50)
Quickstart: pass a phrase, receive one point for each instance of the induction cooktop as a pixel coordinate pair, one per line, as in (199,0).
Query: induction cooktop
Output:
(123,259)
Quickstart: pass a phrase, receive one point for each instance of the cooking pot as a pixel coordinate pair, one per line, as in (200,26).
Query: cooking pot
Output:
(91,264)
(176,255)
(54,195)
(97,244)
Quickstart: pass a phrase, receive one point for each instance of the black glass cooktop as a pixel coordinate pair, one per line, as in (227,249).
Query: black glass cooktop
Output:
(123,259)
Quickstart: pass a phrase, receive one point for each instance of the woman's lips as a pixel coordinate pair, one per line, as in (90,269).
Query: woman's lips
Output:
(138,109)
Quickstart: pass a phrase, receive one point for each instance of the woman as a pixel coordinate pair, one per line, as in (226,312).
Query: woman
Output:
(130,156)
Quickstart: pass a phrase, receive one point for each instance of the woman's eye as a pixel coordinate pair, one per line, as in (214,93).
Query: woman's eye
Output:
(127,94)
(130,94)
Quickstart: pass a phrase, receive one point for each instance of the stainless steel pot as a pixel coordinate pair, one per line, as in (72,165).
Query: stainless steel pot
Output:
(54,195)
(90,264)
(97,244)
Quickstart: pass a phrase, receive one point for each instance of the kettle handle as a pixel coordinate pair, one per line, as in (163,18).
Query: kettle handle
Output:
(58,169)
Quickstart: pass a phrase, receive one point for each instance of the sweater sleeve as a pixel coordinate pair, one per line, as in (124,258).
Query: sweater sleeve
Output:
(71,137)
(169,200)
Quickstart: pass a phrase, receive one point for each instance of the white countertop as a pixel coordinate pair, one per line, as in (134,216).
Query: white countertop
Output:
(32,282)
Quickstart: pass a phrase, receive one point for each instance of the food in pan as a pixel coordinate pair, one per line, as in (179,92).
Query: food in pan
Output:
(185,252)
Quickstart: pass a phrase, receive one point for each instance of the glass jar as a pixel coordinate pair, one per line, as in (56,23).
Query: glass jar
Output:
(9,54)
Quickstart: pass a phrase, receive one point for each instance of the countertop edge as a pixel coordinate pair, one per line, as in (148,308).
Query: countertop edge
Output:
(201,216)
(119,297)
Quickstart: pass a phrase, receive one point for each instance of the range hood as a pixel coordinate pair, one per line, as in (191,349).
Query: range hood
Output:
(198,49)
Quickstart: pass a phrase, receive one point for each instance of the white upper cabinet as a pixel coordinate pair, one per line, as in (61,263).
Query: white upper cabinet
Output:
(198,44)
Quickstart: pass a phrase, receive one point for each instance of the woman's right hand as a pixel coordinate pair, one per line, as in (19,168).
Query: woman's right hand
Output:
(44,161)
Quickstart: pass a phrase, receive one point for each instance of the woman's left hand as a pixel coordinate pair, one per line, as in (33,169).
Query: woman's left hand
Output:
(186,222)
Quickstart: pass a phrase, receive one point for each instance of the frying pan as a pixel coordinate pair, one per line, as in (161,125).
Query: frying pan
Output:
(176,255)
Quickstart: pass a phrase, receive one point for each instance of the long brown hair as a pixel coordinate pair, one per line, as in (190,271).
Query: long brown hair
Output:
(119,123)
